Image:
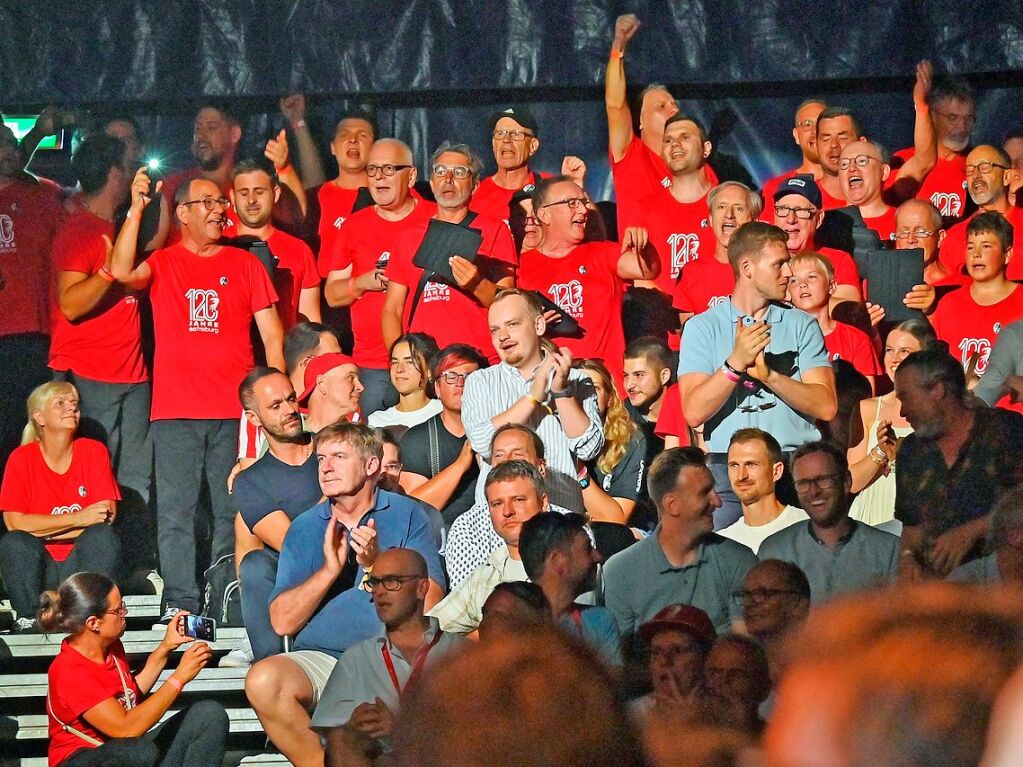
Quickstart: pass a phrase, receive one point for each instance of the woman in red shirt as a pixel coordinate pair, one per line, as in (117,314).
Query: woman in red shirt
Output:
(99,712)
(58,500)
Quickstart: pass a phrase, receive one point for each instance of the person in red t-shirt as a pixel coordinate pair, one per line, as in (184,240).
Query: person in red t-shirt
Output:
(585,279)
(810,288)
(969,319)
(355,270)
(836,127)
(708,281)
(918,224)
(58,500)
(335,199)
(804,133)
(862,172)
(515,139)
(988,175)
(254,193)
(97,714)
(205,297)
(454,176)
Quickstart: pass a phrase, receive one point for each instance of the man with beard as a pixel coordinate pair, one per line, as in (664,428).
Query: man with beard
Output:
(413,305)
(254,193)
(648,372)
(204,297)
(804,133)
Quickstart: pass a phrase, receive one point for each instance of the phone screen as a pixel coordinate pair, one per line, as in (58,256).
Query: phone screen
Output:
(198,627)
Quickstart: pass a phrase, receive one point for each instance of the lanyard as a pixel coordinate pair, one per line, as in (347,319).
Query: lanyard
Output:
(417,663)
(577,619)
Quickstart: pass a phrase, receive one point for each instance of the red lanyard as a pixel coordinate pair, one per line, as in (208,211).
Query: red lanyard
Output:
(417,663)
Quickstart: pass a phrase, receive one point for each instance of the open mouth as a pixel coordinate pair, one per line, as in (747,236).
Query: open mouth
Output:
(855,181)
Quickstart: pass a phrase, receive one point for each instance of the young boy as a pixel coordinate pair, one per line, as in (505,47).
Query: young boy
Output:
(969,319)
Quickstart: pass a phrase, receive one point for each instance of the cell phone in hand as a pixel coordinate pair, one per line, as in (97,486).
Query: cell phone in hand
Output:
(198,627)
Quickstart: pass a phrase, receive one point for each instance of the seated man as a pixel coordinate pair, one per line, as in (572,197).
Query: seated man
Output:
(1005,562)
(838,554)
(511,608)
(333,390)
(775,601)
(320,596)
(735,675)
(558,556)
(755,467)
(361,699)
(515,494)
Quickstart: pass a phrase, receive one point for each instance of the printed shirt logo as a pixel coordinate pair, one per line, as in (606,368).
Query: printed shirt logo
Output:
(56,510)
(970,346)
(436,291)
(7,241)
(948,203)
(569,296)
(203,311)
(666,182)
(338,221)
(684,248)
(715,300)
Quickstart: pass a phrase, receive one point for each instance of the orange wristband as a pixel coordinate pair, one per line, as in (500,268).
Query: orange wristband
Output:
(617,54)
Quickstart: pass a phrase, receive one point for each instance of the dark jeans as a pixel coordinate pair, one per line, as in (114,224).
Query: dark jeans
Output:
(118,416)
(194,737)
(22,368)
(188,451)
(28,570)
(258,574)
(378,393)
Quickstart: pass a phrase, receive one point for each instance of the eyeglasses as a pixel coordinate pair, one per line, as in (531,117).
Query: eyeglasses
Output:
(390,582)
(120,612)
(918,233)
(759,596)
(210,203)
(861,160)
(955,119)
(983,167)
(571,202)
(514,135)
(451,377)
(531,221)
(823,482)
(805,124)
(392,468)
(784,211)
(385,170)
(670,653)
(458,171)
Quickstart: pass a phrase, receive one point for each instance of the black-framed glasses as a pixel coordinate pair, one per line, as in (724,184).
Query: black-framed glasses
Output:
(210,203)
(918,233)
(515,135)
(119,611)
(571,202)
(784,211)
(386,170)
(823,482)
(759,596)
(984,167)
(458,171)
(451,377)
(861,160)
(390,582)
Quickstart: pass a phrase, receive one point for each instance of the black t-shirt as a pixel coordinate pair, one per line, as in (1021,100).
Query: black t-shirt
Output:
(628,480)
(654,444)
(270,485)
(427,449)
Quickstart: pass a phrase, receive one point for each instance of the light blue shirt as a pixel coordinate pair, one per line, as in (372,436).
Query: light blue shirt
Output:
(796,346)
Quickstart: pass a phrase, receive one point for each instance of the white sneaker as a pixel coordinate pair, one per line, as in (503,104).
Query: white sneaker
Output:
(157,581)
(240,657)
(168,615)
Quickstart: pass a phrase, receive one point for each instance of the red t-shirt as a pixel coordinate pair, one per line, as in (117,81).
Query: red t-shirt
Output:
(586,285)
(828,202)
(884,225)
(704,283)
(335,206)
(679,231)
(78,684)
(441,303)
(30,214)
(945,185)
(32,487)
(846,272)
(296,270)
(671,421)
(202,312)
(854,346)
(970,328)
(364,241)
(953,249)
(105,345)
(492,200)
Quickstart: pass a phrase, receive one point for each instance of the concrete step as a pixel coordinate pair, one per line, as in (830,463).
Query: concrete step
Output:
(34,726)
(210,680)
(135,643)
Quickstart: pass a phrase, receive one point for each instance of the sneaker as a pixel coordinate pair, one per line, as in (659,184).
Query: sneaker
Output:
(240,657)
(168,615)
(154,578)
(25,626)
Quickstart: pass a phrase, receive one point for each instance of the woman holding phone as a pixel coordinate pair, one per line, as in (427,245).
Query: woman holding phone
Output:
(100,713)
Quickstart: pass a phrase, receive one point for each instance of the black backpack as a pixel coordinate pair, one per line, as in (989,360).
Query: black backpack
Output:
(223,595)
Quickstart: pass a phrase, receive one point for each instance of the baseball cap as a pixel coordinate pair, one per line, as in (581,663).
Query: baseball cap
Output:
(804,186)
(682,618)
(522,116)
(317,367)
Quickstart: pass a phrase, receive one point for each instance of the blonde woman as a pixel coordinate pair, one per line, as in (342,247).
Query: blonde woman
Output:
(615,479)
(58,499)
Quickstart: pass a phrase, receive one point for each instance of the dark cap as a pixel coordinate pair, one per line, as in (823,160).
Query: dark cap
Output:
(686,618)
(319,366)
(521,116)
(804,186)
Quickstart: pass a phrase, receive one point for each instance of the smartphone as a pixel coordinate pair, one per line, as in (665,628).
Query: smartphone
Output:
(198,627)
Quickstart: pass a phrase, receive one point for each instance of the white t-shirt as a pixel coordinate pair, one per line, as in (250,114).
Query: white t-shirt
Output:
(752,536)
(394,417)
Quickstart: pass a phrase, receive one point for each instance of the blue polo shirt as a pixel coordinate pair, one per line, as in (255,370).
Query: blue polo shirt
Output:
(346,615)
(796,346)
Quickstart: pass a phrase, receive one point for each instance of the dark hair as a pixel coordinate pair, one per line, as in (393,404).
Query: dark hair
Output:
(759,435)
(78,598)
(183,192)
(356,114)
(124,117)
(919,328)
(830,113)
(950,88)
(538,445)
(811,448)
(542,190)
(359,435)
(544,534)
(792,576)
(511,470)
(991,222)
(529,594)
(650,348)
(387,437)
(750,239)
(302,340)
(255,165)
(247,388)
(665,468)
(933,366)
(220,106)
(94,159)
(422,348)
(449,356)
(680,117)
(1006,514)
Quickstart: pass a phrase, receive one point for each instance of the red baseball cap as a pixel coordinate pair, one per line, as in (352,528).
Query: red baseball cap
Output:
(681,618)
(317,367)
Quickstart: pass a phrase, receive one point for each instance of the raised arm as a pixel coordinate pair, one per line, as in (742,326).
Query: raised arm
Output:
(619,116)
(277,152)
(925,142)
(310,166)
(124,251)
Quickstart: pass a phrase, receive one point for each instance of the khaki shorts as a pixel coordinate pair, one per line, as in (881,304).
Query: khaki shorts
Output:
(317,667)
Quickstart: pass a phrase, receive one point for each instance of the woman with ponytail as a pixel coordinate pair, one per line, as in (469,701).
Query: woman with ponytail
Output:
(99,712)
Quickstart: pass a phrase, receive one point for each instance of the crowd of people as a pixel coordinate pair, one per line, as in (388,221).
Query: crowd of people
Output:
(681,477)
